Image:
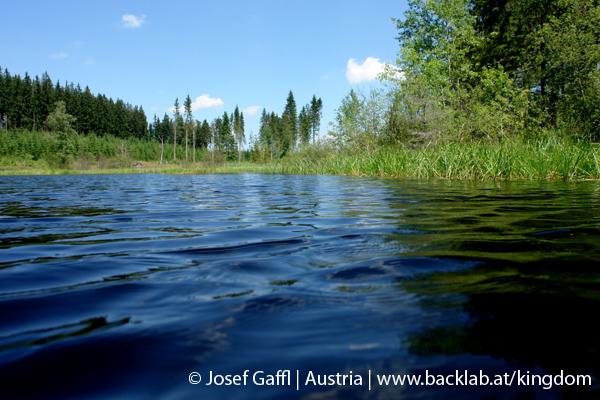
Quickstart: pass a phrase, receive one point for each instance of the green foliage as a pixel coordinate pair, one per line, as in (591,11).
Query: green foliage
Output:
(315,114)
(304,125)
(360,122)
(46,149)
(493,109)
(289,123)
(462,74)
(60,122)
(573,57)
(203,136)
(238,130)
(26,103)
(550,48)
(226,141)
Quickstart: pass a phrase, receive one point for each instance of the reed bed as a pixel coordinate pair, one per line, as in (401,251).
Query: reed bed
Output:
(552,158)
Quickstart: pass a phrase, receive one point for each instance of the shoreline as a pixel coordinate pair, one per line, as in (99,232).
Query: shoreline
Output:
(150,169)
(512,159)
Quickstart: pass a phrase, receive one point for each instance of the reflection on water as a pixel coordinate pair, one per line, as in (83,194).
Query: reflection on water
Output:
(120,286)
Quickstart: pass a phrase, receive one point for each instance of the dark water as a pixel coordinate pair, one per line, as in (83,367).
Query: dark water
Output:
(121,286)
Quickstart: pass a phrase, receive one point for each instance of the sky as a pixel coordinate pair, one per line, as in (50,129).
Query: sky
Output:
(220,53)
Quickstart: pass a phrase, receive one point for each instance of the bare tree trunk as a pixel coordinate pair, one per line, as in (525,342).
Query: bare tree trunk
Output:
(162,147)
(186,142)
(175,143)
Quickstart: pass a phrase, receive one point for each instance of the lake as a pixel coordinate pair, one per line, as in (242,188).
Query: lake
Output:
(324,287)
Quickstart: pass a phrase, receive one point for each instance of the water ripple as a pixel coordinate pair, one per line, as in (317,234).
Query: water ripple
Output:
(123,285)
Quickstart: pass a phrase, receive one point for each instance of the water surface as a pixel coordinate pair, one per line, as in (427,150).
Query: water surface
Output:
(120,286)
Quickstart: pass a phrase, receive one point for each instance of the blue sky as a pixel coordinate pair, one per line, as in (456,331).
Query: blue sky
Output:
(221,53)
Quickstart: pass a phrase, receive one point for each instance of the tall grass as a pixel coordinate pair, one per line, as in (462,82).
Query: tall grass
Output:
(513,158)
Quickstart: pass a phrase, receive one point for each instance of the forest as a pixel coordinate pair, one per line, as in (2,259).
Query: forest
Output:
(25,103)
(62,124)
(514,85)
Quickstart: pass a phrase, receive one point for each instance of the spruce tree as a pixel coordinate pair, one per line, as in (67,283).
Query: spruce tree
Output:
(188,119)
(3,97)
(304,124)
(316,107)
(166,128)
(176,121)
(290,122)
(46,97)
(227,139)
(238,129)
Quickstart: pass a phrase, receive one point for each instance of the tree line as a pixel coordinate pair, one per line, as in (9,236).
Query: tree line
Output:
(280,135)
(224,134)
(484,70)
(38,105)
(25,103)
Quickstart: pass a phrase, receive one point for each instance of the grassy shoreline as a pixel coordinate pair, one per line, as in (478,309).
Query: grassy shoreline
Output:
(552,158)
(228,168)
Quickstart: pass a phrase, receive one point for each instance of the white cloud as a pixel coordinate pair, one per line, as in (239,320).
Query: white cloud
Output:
(204,101)
(252,110)
(131,21)
(60,55)
(89,62)
(368,71)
